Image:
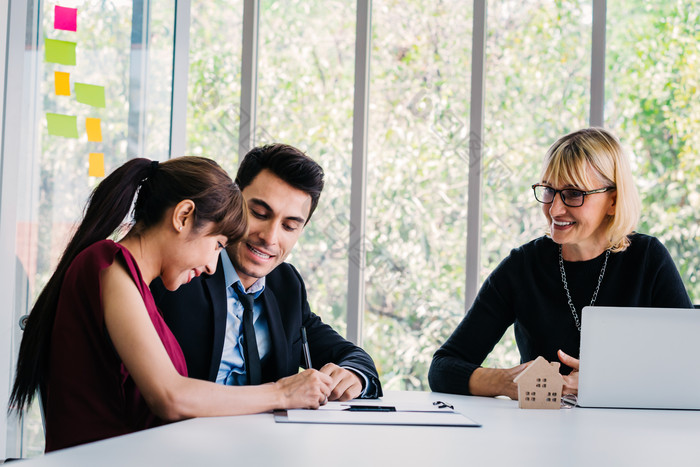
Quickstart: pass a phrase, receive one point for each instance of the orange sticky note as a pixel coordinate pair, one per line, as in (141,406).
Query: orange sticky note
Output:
(97,164)
(61,83)
(94,129)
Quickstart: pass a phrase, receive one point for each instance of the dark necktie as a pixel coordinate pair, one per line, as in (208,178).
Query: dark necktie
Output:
(250,343)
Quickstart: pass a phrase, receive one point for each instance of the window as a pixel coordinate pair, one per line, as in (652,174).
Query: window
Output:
(305,99)
(537,89)
(417,184)
(652,102)
(132,64)
(214,81)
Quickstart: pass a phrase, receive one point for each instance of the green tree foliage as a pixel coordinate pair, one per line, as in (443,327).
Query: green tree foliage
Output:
(537,88)
(305,98)
(417,184)
(653,70)
(214,82)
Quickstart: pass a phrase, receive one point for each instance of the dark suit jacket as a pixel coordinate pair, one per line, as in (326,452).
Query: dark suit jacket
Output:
(196,314)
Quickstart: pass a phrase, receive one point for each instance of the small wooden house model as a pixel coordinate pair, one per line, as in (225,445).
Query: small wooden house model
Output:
(540,385)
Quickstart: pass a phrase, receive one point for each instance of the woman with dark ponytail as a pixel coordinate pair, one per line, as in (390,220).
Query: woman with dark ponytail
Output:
(95,346)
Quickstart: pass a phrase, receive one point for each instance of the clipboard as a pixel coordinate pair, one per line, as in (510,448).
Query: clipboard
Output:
(362,413)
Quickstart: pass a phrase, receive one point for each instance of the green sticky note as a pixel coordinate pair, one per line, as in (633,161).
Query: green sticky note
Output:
(62,125)
(90,94)
(62,52)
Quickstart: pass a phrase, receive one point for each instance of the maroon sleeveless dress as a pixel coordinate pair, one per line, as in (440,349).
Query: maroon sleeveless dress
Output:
(89,393)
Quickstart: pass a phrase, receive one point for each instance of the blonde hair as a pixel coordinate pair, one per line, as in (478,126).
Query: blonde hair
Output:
(567,162)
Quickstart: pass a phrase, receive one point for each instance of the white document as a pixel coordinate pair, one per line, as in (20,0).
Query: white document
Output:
(390,414)
(400,407)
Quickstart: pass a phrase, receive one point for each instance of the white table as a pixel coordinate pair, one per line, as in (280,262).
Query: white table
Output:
(509,437)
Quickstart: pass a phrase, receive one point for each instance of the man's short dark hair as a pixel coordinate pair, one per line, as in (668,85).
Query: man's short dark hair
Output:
(286,162)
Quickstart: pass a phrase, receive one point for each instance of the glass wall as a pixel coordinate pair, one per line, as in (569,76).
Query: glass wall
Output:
(653,64)
(537,87)
(159,78)
(538,62)
(214,81)
(416,183)
(92,98)
(306,63)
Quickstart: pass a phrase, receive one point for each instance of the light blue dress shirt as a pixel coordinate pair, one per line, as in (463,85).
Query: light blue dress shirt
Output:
(232,367)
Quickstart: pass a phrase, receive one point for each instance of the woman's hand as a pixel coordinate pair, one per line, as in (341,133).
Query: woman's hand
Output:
(496,381)
(570,380)
(306,390)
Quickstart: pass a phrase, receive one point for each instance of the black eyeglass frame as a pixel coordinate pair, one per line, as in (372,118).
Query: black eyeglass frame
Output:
(563,196)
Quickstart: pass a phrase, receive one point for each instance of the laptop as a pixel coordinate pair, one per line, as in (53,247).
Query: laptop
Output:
(646,358)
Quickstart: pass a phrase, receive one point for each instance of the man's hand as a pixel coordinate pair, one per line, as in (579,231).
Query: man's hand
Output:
(571,380)
(346,385)
(306,390)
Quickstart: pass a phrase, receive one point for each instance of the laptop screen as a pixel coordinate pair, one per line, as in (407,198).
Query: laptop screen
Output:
(640,358)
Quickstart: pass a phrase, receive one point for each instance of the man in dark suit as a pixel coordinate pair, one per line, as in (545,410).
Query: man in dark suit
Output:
(210,317)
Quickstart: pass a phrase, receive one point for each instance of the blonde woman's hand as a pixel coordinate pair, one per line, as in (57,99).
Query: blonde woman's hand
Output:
(570,380)
(496,381)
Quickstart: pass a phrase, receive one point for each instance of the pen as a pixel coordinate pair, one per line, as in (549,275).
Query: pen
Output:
(305,347)
(370,408)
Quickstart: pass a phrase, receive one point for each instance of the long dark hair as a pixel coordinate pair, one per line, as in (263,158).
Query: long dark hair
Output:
(160,186)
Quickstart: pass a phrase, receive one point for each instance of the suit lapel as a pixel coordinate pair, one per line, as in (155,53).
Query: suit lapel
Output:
(215,285)
(278,337)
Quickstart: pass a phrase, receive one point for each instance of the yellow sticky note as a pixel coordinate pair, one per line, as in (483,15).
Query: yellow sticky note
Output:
(94,129)
(97,164)
(62,83)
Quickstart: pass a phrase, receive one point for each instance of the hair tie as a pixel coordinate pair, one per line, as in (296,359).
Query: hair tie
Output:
(154,168)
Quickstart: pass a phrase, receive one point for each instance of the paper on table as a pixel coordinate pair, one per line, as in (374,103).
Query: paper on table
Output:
(374,418)
(400,407)
(427,413)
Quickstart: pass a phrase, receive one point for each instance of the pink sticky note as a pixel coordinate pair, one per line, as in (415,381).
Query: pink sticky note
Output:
(65,18)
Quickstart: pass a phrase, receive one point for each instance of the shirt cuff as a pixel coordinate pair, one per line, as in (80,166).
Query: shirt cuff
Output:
(363,378)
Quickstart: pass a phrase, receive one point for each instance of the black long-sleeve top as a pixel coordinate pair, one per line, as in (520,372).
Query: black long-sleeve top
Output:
(526,290)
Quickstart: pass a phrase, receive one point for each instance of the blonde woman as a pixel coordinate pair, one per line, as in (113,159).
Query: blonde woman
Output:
(590,255)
